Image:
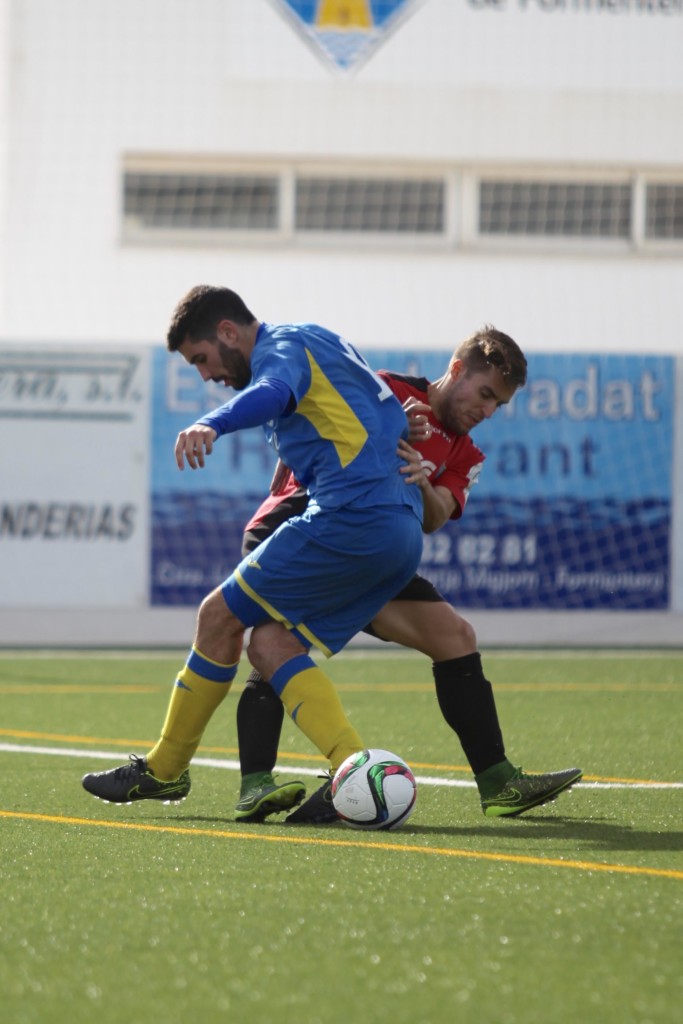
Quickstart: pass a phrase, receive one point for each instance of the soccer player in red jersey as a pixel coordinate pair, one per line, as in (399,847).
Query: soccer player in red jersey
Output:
(483,374)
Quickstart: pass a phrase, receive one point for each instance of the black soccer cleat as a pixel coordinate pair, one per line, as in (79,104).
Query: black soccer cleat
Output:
(317,810)
(135,781)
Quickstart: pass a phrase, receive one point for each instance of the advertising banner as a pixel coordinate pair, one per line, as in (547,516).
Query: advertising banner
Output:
(572,509)
(74,478)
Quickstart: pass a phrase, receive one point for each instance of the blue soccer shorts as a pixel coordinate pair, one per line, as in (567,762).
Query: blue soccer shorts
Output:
(325,574)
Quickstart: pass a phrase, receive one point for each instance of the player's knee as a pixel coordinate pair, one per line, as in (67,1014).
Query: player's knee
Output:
(259,649)
(214,615)
(270,646)
(457,636)
(465,633)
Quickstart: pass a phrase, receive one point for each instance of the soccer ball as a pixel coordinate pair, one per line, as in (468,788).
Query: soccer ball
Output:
(374,789)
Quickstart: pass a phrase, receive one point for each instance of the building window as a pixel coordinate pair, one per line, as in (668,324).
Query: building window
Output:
(201,202)
(182,203)
(664,211)
(555,208)
(401,206)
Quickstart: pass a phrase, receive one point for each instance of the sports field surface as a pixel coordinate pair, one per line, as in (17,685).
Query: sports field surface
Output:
(570,913)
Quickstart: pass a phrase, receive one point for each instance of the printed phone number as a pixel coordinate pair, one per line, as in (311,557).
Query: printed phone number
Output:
(482,549)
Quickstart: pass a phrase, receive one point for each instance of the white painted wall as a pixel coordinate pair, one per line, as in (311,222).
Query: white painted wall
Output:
(516,84)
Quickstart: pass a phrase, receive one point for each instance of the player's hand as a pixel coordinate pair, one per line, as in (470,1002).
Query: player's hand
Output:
(413,471)
(193,444)
(418,424)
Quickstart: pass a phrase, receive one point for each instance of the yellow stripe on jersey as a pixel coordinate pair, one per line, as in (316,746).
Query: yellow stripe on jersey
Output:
(313,639)
(273,612)
(278,617)
(332,416)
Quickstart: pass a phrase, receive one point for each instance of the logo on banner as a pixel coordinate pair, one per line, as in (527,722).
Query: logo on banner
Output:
(87,387)
(345,32)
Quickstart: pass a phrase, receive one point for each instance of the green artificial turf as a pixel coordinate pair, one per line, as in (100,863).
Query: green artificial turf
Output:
(571,913)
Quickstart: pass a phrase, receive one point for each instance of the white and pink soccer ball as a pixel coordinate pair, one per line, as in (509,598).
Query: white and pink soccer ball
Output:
(374,790)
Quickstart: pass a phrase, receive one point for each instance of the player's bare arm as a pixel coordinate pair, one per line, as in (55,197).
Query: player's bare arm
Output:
(193,444)
(439,503)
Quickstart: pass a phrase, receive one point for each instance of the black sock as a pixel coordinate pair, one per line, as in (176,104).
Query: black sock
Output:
(466,700)
(259,723)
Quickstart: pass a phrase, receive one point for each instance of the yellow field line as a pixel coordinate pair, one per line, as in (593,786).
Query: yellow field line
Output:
(27,734)
(398,687)
(129,744)
(504,858)
(28,689)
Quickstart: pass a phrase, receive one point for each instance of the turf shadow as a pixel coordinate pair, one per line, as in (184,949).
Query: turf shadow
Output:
(595,834)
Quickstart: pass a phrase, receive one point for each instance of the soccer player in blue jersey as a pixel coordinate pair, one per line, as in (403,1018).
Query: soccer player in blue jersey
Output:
(320,577)
(483,373)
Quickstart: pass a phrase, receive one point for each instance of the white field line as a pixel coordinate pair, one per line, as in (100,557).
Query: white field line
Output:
(213,762)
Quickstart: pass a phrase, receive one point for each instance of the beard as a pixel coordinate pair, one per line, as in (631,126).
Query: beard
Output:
(236,366)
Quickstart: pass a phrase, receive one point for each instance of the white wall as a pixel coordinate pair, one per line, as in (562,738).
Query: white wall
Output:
(501,86)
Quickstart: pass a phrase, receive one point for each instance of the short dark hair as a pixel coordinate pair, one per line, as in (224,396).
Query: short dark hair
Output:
(200,310)
(489,347)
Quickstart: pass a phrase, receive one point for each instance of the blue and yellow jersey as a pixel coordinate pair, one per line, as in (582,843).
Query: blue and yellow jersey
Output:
(340,439)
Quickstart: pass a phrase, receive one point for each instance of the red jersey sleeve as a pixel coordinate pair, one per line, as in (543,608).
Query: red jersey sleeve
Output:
(460,472)
(287,487)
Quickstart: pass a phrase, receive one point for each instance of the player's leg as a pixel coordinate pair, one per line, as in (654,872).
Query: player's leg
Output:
(465,695)
(260,714)
(466,698)
(314,706)
(424,622)
(260,711)
(201,685)
(306,692)
(324,577)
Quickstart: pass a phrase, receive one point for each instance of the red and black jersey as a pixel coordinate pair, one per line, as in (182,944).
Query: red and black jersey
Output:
(452,461)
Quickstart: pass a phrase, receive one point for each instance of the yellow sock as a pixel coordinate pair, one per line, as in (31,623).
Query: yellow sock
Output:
(312,703)
(199,689)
